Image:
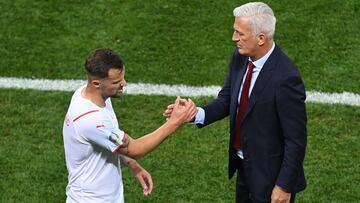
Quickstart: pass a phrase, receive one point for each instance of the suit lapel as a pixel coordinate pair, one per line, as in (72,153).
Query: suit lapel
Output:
(239,74)
(239,79)
(262,80)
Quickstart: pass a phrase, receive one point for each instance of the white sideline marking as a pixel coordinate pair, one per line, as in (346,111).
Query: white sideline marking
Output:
(347,98)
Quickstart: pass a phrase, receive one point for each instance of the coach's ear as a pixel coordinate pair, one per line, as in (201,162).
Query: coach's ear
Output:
(261,38)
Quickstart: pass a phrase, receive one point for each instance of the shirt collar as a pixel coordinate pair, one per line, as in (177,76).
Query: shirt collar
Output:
(261,61)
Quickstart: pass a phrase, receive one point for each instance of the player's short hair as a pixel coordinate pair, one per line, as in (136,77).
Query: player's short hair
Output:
(100,61)
(261,17)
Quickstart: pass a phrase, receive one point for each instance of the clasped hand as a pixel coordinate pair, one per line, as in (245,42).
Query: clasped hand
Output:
(182,110)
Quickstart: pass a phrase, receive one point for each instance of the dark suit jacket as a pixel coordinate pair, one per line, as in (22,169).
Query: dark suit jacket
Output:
(273,130)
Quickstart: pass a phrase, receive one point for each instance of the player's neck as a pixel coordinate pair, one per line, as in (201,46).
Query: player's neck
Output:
(94,96)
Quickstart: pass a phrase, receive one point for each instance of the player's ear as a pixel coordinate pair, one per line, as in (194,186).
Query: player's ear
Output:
(96,83)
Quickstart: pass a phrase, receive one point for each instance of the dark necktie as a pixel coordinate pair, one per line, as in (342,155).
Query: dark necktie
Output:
(242,105)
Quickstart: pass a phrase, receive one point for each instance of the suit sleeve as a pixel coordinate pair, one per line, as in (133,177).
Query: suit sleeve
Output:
(218,108)
(290,102)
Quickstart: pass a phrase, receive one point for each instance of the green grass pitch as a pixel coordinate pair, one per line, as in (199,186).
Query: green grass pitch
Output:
(172,42)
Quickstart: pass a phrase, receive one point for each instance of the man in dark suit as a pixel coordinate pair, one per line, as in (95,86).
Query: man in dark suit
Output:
(264,96)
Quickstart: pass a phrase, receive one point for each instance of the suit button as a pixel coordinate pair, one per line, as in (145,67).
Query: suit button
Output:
(245,138)
(246,157)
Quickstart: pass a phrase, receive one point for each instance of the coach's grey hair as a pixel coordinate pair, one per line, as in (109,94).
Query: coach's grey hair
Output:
(261,17)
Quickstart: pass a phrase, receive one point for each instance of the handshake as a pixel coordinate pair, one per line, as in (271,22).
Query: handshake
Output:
(180,112)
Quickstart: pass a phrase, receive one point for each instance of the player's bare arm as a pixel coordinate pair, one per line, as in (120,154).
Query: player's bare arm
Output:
(139,173)
(183,112)
(125,147)
(131,163)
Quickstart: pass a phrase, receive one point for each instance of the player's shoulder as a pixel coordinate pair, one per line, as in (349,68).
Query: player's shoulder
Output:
(87,115)
(84,111)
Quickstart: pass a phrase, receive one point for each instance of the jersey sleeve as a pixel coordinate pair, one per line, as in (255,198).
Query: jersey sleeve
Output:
(99,130)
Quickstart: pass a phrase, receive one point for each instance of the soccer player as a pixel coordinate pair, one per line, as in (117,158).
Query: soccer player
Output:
(95,146)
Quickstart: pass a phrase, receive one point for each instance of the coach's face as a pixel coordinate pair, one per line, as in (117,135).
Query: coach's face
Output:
(113,85)
(243,37)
